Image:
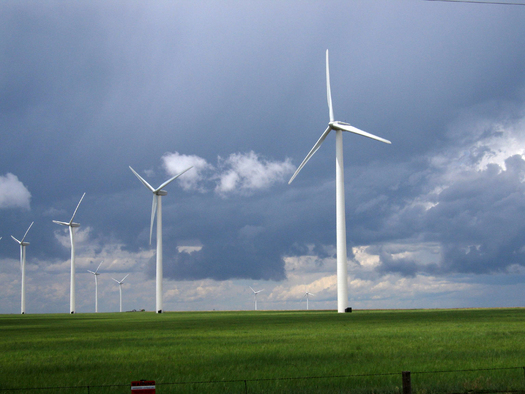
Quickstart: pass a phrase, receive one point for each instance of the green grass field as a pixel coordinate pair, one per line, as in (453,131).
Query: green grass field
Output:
(117,348)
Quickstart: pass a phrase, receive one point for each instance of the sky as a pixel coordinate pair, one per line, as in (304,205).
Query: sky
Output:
(237,90)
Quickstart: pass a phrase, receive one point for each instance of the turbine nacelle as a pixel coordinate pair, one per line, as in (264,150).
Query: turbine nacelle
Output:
(72,224)
(96,271)
(21,243)
(156,192)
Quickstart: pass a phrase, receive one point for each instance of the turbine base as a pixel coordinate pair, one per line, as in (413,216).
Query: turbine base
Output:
(348,310)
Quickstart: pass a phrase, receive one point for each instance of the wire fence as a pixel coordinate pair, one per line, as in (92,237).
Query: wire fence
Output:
(466,381)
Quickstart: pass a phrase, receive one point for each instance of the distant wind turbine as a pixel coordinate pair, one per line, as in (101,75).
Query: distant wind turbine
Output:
(96,273)
(72,227)
(120,282)
(306,294)
(23,245)
(255,296)
(339,127)
(157,206)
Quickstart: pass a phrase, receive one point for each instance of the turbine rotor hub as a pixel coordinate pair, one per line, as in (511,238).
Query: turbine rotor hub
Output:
(161,193)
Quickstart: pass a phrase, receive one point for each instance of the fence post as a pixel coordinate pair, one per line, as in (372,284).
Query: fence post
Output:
(407,384)
(245,387)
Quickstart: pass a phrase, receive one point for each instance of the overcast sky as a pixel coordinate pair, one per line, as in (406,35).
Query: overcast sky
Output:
(237,89)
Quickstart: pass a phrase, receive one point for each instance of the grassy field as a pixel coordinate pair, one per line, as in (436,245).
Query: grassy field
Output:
(117,348)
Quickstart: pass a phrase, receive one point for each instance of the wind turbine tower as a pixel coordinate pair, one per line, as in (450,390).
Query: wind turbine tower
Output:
(23,245)
(306,294)
(72,227)
(157,206)
(339,127)
(96,273)
(120,282)
(255,297)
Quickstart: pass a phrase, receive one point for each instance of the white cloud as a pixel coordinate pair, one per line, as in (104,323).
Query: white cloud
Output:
(240,173)
(13,193)
(174,163)
(245,173)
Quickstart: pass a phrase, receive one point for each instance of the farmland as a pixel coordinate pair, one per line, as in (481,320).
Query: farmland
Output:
(117,348)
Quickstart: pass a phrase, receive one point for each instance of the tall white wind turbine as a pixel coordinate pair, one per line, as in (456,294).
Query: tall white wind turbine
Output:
(306,294)
(157,206)
(72,225)
(96,273)
(23,245)
(339,127)
(255,297)
(120,282)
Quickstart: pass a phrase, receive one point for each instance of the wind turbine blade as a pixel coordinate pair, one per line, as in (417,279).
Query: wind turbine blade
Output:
(153,211)
(62,223)
(16,240)
(328,90)
(311,153)
(116,280)
(31,225)
(172,179)
(252,290)
(124,278)
(98,266)
(355,130)
(91,272)
(76,209)
(143,180)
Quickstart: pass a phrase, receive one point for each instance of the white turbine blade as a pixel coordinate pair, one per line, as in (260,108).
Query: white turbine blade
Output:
(328,90)
(99,266)
(16,240)
(311,153)
(124,278)
(153,211)
(355,130)
(76,209)
(116,280)
(91,272)
(143,180)
(62,223)
(31,225)
(172,179)
(252,290)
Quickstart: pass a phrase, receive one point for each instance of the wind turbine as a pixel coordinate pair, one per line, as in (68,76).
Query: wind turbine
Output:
(96,285)
(255,296)
(23,245)
(339,127)
(157,206)
(306,294)
(72,227)
(120,282)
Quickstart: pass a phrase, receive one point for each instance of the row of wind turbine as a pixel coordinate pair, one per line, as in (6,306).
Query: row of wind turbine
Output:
(342,274)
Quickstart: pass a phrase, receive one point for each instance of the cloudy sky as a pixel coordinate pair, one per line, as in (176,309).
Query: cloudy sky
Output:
(237,89)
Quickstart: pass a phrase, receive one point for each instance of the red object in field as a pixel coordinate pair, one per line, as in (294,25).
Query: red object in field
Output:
(143,387)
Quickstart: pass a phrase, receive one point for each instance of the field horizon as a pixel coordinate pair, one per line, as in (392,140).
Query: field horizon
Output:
(94,349)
